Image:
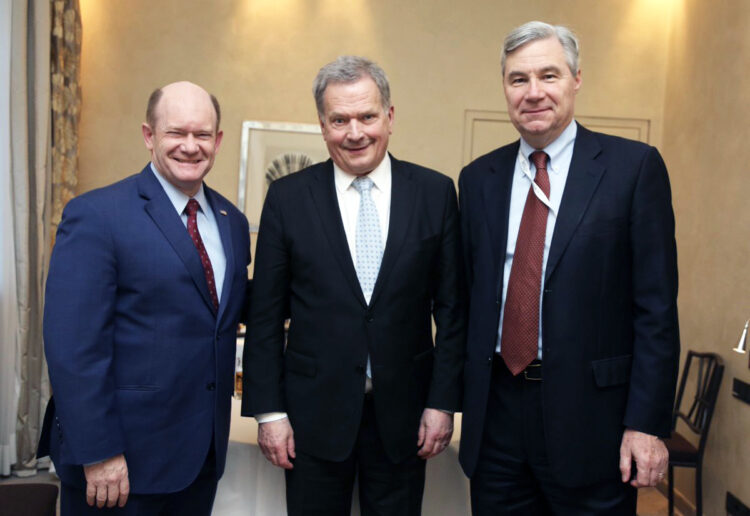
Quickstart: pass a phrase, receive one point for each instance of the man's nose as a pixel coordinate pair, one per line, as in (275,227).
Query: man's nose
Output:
(354,131)
(535,89)
(190,144)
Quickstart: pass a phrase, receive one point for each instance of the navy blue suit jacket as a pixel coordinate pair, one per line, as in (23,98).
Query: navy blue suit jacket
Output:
(140,362)
(304,270)
(609,313)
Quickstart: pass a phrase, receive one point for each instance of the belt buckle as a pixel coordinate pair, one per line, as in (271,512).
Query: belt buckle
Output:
(526,373)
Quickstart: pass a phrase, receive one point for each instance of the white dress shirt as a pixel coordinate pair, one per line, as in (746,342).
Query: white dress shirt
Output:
(560,153)
(207,226)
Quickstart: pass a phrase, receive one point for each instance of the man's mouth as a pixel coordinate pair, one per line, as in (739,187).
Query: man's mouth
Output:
(188,161)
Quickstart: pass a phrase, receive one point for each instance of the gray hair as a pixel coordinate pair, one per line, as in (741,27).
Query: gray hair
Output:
(348,69)
(536,30)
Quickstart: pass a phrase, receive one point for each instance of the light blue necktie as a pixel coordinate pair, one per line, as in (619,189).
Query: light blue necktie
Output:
(368,243)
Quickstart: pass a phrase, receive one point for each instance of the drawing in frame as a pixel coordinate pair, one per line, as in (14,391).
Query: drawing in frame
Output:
(270,150)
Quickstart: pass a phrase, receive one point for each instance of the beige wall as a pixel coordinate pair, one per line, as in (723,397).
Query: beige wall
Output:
(706,115)
(259,57)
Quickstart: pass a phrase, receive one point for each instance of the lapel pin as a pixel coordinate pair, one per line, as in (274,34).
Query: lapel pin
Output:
(223,212)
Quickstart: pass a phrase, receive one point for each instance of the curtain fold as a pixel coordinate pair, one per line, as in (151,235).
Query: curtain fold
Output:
(8,311)
(30,194)
(66,103)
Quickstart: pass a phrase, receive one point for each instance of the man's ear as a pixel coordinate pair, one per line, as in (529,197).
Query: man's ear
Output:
(148,135)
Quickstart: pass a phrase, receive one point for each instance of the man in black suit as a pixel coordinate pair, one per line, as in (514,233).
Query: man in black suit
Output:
(573,342)
(360,252)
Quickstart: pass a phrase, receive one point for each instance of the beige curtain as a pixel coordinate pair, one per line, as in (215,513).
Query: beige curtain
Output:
(8,318)
(30,178)
(66,103)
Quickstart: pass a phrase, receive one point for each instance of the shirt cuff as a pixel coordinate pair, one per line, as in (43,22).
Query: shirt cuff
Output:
(267,417)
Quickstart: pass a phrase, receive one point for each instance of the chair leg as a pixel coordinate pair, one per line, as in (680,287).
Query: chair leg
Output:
(698,491)
(670,489)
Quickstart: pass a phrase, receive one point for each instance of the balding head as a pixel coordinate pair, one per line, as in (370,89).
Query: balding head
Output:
(181,87)
(182,134)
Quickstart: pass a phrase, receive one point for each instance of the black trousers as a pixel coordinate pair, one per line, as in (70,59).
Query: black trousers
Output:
(513,475)
(317,487)
(197,499)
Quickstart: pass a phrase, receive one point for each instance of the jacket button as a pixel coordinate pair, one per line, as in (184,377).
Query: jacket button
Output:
(211,386)
(489,360)
(370,318)
(360,369)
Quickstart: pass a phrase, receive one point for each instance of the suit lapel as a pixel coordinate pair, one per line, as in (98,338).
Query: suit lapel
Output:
(222,221)
(162,212)
(323,191)
(403,200)
(496,198)
(583,177)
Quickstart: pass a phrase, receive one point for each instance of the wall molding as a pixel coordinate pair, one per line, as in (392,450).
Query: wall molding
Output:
(486,130)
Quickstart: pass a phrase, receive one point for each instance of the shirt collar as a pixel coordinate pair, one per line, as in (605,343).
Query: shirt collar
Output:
(381,176)
(554,149)
(178,199)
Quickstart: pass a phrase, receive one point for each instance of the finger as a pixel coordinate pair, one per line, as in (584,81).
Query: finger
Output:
(290,447)
(283,460)
(90,494)
(421,434)
(124,492)
(101,495)
(113,494)
(642,475)
(625,464)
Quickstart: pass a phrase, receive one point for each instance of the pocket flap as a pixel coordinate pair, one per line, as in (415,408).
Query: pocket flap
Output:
(300,364)
(612,371)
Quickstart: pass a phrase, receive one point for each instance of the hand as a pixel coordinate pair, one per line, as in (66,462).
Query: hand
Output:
(650,455)
(435,431)
(107,482)
(276,441)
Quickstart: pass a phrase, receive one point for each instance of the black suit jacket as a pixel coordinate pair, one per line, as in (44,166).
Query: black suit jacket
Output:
(304,268)
(609,314)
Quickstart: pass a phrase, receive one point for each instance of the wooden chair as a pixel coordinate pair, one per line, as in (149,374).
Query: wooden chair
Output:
(707,369)
(28,499)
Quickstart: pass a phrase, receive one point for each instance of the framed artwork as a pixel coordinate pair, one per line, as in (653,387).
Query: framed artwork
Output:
(270,150)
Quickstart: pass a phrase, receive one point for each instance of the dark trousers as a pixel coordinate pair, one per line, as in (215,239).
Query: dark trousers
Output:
(197,499)
(324,488)
(513,475)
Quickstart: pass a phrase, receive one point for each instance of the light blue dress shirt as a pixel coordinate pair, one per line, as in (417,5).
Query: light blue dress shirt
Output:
(207,226)
(560,153)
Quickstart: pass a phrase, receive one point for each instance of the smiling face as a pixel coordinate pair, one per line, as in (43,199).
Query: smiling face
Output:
(540,90)
(184,140)
(355,125)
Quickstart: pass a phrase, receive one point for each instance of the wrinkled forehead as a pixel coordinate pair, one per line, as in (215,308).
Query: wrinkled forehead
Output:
(181,107)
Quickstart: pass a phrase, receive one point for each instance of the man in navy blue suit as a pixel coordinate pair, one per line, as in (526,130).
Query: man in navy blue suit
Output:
(146,286)
(573,342)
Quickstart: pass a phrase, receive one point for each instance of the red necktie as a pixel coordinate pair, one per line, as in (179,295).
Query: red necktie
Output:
(192,226)
(520,336)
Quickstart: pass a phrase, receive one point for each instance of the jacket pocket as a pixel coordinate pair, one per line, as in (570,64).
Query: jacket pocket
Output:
(613,371)
(138,388)
(300,364)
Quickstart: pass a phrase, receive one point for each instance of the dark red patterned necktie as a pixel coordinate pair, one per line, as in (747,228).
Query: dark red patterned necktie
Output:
(192,226)
(520,336)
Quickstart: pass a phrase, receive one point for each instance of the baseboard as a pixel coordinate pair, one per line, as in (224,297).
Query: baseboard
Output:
(681,503)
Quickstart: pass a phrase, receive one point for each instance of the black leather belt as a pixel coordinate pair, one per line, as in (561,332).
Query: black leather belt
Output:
(533,371)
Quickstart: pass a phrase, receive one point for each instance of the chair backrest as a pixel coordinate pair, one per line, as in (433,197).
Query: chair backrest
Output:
(698,411)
